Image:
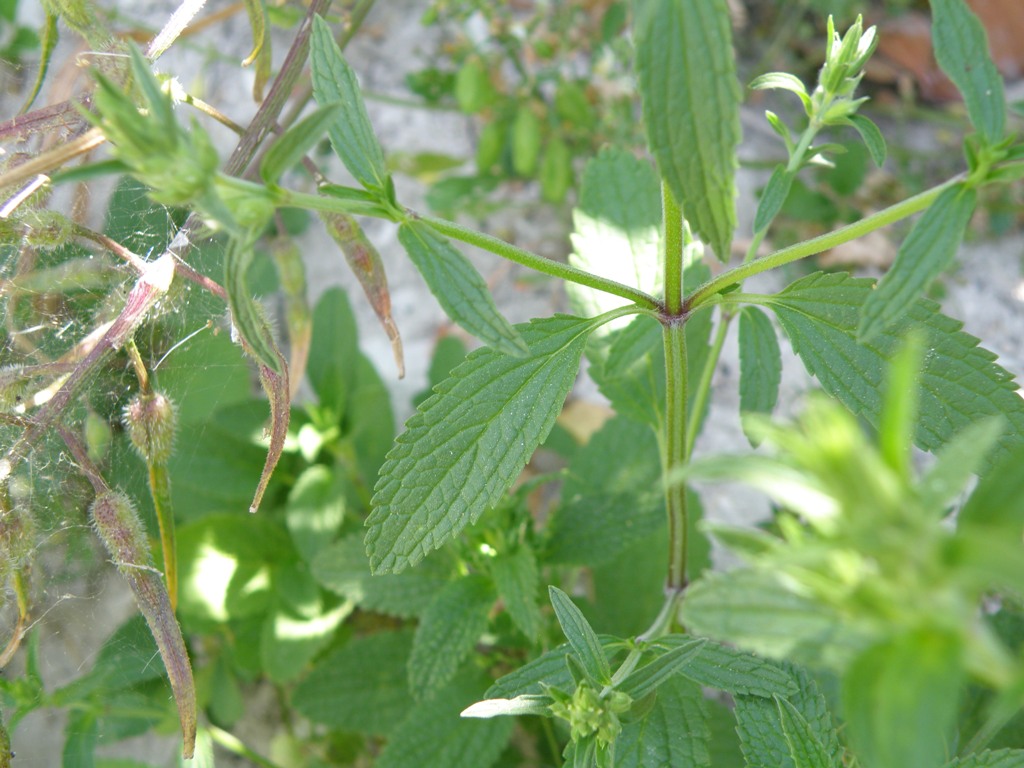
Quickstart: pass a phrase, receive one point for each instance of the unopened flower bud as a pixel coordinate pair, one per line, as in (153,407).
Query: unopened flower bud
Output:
(150,420)
(118,524)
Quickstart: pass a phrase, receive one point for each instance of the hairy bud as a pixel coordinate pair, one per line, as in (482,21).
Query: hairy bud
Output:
(151,420)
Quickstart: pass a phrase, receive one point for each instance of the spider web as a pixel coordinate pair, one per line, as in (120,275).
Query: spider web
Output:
(54,296)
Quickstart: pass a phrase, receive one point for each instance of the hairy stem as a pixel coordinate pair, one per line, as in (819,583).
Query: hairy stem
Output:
(538,263)
(675,452)
(672,239)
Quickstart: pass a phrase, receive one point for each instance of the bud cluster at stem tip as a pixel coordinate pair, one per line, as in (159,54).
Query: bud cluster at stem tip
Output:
(842,71)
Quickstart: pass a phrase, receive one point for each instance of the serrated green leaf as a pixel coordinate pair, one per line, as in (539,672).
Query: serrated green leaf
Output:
(459,288)
(760,363)
(466,445)
(615,229)
(288,149)
(959,384)
(805,750)
(735,671)
(997,758)
(924,255)
(351,133)
(961,49)
(761,738)
(359,687)
(691,98)
(900,700)
(759,723)
(344,568)
(314,511)
(449,629)
(517,580)
(650,676)
(871,136)
(772,197)
(674,733)
(433,734)
(611,497)
(756,611)
(581,636)
(333,351)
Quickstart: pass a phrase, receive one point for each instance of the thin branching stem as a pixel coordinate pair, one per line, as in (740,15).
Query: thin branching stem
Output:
(709,290)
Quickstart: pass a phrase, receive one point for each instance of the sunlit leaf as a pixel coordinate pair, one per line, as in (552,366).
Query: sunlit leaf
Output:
(351,134)
(467,444)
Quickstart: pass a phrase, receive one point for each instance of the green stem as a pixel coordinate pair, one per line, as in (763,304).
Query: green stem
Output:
(160,489)
(675,452)
(703,390)
(662,625)
(673,245)
(705,293)
(287,198)
(538,263)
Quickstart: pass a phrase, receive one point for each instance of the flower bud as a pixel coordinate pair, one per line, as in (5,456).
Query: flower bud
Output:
(150,420)
(118,524)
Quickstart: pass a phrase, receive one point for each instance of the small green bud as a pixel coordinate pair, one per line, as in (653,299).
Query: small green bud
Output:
(151,420)
(588,714)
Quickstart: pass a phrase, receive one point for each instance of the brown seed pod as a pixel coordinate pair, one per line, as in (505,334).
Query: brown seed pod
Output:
(117,523)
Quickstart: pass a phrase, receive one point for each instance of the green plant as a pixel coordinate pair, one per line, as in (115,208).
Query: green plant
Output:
(871,604)
(546,86)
